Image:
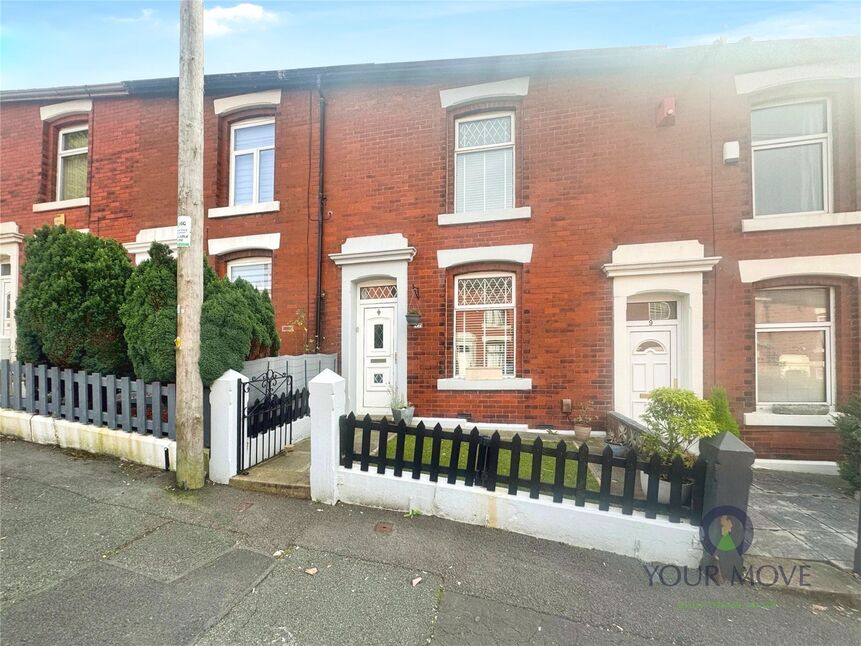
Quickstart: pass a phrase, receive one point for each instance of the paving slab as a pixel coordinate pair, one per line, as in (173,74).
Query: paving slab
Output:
(347,601)
(104,604)
(173,549)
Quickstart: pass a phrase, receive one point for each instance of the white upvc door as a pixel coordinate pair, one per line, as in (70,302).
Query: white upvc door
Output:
(653,363)
(377,356)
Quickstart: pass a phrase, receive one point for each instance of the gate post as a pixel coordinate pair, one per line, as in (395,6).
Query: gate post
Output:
(729,475)
(224,433)
(328,403)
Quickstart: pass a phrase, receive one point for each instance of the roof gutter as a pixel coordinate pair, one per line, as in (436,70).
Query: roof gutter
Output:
(66,93)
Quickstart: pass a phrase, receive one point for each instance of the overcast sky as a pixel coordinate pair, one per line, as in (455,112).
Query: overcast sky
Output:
(69,43)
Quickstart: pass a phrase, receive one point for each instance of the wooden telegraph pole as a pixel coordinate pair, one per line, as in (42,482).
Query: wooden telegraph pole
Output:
(189,279)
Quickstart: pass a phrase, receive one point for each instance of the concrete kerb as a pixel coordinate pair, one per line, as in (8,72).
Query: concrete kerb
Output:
(40,429)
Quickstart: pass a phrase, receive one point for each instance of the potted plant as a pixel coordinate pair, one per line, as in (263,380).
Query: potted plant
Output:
(617,440)
(414,317)
(583,418)
(401,410)
(674,420)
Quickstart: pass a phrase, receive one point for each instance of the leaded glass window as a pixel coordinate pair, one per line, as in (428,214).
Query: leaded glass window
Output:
(484,326)
(484,163)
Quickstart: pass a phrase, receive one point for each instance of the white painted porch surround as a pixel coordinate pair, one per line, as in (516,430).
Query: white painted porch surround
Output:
(364,258)
(674,268)
(635,535)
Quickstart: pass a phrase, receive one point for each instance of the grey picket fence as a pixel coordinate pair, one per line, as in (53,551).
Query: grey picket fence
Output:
(119,403)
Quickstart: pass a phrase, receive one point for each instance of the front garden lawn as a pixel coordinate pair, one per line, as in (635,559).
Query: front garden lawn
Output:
(548,463)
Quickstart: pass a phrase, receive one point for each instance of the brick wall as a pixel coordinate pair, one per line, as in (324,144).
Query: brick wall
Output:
(591,163)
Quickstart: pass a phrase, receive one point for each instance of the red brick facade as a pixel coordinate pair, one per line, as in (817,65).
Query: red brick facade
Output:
(591,162)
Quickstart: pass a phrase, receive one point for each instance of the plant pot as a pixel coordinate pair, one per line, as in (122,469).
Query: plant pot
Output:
(582,432)
(619,450)
(414,319)
(664,489)
(405,414)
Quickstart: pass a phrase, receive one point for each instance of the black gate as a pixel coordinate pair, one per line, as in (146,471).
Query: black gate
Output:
(267,408)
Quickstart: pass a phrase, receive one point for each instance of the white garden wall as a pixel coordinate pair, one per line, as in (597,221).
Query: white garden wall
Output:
(611,531)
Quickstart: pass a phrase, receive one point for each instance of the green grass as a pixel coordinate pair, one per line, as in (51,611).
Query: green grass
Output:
(548,463)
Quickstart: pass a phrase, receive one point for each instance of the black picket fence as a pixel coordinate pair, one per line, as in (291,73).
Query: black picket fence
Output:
(484,455)
(119,403)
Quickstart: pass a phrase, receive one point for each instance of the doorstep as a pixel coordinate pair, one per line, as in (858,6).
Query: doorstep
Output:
(287,474)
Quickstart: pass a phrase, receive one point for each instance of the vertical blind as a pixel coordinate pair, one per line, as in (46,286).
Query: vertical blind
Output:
(484,164)
(254,163)
(484,324)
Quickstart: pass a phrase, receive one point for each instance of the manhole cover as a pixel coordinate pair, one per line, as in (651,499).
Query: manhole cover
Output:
(383,527)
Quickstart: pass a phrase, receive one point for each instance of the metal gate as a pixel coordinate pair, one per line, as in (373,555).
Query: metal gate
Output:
(267,408)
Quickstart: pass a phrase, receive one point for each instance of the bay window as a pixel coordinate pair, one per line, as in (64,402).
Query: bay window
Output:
(791,158)
(484,326)
(484,163)
(794,347)
(252,162)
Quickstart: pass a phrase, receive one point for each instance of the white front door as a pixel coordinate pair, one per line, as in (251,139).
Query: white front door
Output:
(377,356)
(653,363)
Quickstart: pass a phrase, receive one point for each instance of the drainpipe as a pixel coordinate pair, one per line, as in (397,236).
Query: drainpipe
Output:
(321,202)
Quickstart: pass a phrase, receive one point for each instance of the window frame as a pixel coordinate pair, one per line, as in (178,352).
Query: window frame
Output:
(252,260)
(828,327)
(62,154)
(481,116)
(826,141)
(255,180)
(456,308)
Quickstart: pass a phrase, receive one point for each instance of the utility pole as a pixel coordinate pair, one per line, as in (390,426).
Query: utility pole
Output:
(189,278)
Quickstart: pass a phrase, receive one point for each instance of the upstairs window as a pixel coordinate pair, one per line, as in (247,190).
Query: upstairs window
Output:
(791,158)
(72,147)
(484,326)
(257,271)
(484,163)
(794,346)
(252,162)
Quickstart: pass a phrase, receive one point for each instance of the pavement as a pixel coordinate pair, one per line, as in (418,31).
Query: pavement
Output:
(99,551)
(803,516)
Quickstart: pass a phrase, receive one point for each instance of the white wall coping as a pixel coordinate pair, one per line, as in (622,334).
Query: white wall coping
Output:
(800,221)
(765,79)
(61,204)
(822,467)
(846,264)
(458,383)
(495,90)
(519,253)
(229,104)
(56,110)
(243,209)
(219,246)
(497,215)
(763,418)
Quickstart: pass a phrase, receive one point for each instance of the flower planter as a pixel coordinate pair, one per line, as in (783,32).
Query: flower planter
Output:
(582,432)
(664,489)
(405,414)
(619,450)
(414,319)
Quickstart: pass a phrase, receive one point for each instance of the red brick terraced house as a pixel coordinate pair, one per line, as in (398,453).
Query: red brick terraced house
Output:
(581,226)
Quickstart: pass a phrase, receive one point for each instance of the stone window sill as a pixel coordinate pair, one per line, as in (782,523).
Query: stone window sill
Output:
(518,383)
(244,209)
(498,215)
(800,221)
(61,204)
(763,418)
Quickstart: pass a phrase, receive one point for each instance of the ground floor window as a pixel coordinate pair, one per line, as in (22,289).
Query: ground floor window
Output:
(257,271)
(794,346)
(484,326)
